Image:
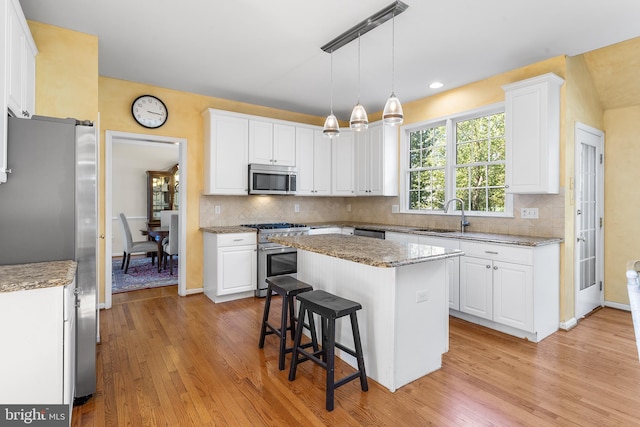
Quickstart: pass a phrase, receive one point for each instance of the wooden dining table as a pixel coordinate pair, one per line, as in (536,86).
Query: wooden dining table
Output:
(158,234)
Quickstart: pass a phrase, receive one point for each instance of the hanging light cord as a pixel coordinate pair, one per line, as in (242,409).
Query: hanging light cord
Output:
(393,53)
(331,81)
(358,68)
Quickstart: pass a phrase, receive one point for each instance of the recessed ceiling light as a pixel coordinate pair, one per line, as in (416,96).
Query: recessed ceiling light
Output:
(436,85)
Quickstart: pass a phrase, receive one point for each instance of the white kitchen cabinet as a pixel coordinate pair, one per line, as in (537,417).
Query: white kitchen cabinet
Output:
(532,130)
(377,161)
(230,267)
(313,161)
(17,72)
(226,153)
(37,365)
(343,164)
(21,66)
(272,143)
(509,288)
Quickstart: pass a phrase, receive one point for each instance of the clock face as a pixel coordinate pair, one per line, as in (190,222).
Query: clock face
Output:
(149,111)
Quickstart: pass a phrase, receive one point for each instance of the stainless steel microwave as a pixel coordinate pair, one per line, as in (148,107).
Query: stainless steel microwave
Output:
(272,179)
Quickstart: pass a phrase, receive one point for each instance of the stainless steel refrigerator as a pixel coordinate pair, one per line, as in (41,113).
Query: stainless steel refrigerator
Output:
(48,212)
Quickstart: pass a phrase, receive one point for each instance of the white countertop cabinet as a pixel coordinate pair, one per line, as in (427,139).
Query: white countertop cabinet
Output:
(230,267)
(515,290)
(532,128)
(40,368)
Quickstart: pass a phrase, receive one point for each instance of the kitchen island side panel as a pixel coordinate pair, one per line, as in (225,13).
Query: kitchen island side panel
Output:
(391,321)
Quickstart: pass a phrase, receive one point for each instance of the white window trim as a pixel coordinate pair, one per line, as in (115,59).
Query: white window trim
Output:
(450,171)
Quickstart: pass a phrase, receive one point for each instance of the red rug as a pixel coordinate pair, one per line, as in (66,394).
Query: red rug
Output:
(141,275)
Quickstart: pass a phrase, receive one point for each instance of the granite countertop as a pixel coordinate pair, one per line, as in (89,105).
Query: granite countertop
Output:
(37,275)
(365,250)
(228,229)
(505,239)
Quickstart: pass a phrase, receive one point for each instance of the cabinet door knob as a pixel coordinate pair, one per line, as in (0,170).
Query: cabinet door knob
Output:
(488,266)
(495,267)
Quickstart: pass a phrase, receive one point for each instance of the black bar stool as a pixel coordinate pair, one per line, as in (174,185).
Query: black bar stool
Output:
(287,287)
(330,307)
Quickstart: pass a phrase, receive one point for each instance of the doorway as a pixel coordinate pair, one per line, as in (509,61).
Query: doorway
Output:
(113,137)
(589,219)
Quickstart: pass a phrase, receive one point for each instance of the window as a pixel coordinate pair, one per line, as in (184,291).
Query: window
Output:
(460,156)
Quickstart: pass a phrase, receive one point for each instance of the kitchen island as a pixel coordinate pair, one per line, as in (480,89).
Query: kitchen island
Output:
(404,321)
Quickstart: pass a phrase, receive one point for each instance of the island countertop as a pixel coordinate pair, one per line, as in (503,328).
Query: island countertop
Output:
(365,250)
(21,277)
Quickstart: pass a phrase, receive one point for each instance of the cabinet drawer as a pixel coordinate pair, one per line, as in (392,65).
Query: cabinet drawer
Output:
(514,254)
(236,239)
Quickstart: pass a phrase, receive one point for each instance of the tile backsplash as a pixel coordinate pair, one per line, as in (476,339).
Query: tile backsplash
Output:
(235,210)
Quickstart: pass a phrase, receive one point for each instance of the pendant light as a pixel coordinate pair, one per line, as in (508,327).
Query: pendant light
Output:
(359,120)
(392,113)
(331,128)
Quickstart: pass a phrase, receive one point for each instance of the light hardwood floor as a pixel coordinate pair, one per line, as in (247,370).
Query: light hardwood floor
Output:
(185,361)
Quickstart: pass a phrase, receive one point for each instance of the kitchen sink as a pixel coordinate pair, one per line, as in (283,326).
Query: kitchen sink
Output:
(435,230)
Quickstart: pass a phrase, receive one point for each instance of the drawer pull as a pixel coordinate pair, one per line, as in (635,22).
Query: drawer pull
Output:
(238,240)
(491,252)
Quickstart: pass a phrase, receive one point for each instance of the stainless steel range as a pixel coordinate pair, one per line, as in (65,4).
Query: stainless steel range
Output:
(275,259)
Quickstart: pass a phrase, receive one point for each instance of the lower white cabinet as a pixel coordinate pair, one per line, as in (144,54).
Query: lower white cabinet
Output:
(513,289)
(37,363)
(230,266)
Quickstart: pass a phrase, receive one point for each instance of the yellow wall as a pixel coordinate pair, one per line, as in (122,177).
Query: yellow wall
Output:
(66,72)
(622,175)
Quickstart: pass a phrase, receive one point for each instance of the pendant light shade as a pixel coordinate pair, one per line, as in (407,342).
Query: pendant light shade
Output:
(331,127)
(392,113)
(359,120)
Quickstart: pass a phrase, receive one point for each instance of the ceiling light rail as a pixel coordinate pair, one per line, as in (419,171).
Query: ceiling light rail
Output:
(365,26)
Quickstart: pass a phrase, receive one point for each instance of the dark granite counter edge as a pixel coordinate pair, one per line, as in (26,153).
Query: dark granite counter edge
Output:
(504,239)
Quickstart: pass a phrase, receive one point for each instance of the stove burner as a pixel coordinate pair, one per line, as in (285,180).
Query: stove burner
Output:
(274,225)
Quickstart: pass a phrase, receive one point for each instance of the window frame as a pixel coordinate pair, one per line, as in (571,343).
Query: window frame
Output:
(450,169)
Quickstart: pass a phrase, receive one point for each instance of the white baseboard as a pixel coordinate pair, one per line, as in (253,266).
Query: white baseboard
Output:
(569,324)
(195,291)
(619,306)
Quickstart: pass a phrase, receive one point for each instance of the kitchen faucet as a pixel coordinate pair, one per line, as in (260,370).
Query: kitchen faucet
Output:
(463,223)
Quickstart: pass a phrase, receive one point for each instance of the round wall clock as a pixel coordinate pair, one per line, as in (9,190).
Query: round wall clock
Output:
(149,111)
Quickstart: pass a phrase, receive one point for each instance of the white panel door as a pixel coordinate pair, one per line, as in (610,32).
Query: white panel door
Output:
(260,142)
(284,145)
(321,164)
(476,288)
(589,196)
(513,295)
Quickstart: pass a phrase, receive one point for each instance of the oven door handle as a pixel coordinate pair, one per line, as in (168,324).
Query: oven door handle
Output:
(273,248)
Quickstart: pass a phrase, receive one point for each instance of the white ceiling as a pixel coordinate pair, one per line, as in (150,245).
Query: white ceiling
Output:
(268,52)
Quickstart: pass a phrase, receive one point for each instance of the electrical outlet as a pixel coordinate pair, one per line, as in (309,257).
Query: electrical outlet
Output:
(422,296)
(349,207)
(217,210)
(296,208)
(529,213)
(395,208)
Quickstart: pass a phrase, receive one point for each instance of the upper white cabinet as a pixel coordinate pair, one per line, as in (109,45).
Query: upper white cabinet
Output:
(21,73)
(226,153)
(377,161)
(313,161)
(17,71)
(343,164)
(532,126)
(272,143)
